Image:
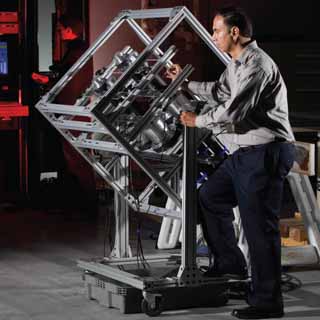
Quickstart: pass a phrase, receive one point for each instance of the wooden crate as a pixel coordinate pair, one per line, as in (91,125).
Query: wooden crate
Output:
(288,242)
(286,224)
(298,233)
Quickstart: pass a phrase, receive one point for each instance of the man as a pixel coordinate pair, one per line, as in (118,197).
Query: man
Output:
(251,99)
(77,176)
(77,173)
(70,32)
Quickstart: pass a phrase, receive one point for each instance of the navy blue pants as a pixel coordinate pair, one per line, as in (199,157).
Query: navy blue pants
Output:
(251,178)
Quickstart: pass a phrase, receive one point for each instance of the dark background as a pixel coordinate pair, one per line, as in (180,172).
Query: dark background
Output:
(287,30)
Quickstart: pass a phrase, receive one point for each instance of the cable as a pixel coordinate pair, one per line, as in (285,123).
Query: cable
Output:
(139,253)
(289,282)
(222,131)
(139,250)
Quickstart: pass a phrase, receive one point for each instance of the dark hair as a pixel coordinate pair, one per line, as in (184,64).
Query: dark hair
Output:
(237,17)
(72,22)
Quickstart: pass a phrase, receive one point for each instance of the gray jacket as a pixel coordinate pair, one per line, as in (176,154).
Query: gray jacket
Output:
(249,100)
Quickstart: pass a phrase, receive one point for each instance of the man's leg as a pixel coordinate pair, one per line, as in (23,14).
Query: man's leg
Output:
(217,198)
(259,195)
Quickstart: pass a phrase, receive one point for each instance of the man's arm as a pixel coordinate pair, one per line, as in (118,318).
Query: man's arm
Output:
(237,108)
(216,92)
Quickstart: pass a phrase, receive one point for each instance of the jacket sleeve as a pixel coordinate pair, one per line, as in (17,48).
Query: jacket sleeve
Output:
(215,92)
(237,107)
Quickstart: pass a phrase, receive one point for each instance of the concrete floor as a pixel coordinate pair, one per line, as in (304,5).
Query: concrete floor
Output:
(39,278)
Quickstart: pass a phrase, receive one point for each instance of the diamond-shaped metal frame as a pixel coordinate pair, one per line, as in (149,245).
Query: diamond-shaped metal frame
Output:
(62,116)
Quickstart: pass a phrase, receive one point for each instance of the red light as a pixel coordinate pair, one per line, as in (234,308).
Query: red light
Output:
(7,16)
(9,28)
(67,33)
(39,78)
(9,110)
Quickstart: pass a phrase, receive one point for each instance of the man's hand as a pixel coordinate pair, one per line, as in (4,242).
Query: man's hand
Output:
(188,119)
(173,72)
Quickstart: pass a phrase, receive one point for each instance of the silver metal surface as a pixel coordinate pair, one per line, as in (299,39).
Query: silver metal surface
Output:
(155,258)
(150,13)
(110,272)
(121,247)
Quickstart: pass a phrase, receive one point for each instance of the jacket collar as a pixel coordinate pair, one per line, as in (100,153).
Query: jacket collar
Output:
(251,46)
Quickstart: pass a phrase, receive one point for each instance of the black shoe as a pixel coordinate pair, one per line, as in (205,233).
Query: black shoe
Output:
(257,313)
(231,273)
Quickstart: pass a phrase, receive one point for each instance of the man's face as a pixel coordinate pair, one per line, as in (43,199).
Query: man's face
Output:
(221,34)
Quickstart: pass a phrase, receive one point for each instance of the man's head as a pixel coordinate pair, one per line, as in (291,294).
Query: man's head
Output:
(70,28)
(231,27)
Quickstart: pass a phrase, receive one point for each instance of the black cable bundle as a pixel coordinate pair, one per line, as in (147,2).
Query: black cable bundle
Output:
(139,252)
(140,255)
(289,282)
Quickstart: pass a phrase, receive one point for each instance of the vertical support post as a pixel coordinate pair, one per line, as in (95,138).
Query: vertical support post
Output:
(188,269)
(121,247)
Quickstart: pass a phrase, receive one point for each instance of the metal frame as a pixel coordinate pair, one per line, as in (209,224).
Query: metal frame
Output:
(61,116)
(95,111)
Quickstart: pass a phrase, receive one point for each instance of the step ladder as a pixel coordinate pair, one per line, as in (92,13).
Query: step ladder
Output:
(308,207)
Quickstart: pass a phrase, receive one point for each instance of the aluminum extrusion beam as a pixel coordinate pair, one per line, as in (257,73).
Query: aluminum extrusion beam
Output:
(145,38)
(82,60)
(117,148)
(155,258)
(166,177)
(116,274)
(80,126)
(140,207)
(145,120)
(143,164)
(162,35)
(150,13)
(121,248)
(64,109)
(146,80)
(205,36)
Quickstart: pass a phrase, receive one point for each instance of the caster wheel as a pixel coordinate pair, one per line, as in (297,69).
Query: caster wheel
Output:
(152,309)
